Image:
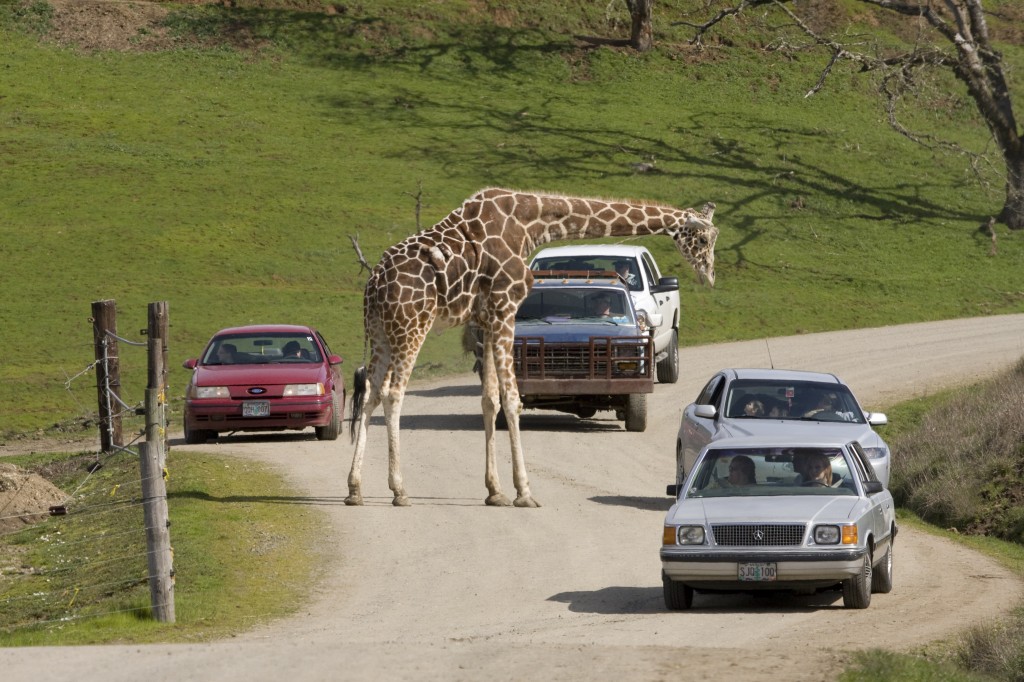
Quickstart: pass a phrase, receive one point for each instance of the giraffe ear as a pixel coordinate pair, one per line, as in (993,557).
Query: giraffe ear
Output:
(709,210)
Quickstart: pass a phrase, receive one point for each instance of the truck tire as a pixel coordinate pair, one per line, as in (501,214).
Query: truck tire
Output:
(668,369)
(636,412)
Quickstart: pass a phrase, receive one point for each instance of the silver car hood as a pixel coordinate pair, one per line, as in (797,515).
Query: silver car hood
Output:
(862,433)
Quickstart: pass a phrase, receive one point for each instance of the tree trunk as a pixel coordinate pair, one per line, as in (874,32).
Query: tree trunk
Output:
(1013,210)
(641,37)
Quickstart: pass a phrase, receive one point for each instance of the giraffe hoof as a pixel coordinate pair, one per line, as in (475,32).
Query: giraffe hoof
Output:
(497,500)
(526,501)
(354,500)
(401,501)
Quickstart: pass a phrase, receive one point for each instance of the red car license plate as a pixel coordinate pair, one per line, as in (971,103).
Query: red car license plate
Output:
(256,408)
(756,572)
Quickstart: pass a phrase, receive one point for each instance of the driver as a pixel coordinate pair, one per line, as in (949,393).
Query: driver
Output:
(817,470)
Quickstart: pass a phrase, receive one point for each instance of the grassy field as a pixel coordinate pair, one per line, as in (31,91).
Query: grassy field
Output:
(240,555)
(228,181)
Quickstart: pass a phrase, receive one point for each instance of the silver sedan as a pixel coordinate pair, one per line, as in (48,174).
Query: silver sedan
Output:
(776,402)
(757,514)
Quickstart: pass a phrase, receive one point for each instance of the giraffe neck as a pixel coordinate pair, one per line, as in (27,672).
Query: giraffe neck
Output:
(548,218)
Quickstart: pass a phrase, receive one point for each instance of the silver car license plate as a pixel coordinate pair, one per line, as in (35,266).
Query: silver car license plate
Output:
(256,408)
(757,572)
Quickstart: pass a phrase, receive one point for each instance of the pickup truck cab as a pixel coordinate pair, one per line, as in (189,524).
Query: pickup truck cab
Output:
(655,295)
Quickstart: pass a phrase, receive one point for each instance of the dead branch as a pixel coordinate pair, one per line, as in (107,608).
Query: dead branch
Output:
(419,202)
(359,254)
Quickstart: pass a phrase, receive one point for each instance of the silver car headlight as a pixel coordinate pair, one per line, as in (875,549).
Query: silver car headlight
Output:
(210,392)
(683,535)
(303,389)
(877,452)
(834,535)
(826,535)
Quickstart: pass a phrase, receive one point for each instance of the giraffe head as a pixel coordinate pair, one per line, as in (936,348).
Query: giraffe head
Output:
(695,238)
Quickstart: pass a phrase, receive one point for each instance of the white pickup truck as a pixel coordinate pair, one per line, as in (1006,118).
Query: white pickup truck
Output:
(656,295)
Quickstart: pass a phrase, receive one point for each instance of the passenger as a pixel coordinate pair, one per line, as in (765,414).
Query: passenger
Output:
(227,354)
(622,267)
(753,408)
(741,471)
(817,470)
(603,305)
(826,403)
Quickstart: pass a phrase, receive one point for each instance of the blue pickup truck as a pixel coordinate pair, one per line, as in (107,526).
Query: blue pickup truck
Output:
(581,347)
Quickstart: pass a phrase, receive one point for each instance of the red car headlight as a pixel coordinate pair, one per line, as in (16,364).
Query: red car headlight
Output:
(209,392)
(303,389)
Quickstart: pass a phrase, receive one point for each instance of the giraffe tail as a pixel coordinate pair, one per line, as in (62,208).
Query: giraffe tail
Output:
(358,393)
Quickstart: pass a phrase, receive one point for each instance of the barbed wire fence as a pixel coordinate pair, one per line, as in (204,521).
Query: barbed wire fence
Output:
(113,525)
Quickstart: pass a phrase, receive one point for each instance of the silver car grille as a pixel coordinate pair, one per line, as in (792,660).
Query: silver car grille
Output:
(758,534)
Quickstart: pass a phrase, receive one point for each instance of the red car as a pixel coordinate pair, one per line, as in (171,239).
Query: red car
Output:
(270,377)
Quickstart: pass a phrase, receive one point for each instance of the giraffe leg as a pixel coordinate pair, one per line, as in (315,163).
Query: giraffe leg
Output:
(491,404)
(370,403)
(392,416)
(513,407)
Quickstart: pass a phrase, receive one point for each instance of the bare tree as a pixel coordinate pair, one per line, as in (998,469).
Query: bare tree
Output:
(641,35)
(951,35)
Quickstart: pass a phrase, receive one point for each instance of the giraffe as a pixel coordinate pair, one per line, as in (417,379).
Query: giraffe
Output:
(472,266)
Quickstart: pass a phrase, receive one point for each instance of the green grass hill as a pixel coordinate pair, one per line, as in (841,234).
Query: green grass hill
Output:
(221,159)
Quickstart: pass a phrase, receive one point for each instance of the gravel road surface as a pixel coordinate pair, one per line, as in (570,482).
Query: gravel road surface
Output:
(449,589)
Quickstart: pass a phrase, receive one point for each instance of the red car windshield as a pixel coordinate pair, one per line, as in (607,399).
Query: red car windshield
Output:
(262,349)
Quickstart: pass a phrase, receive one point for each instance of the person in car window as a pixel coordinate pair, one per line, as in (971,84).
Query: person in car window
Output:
(753,408)
(826,403)
(741,471)
(292,349)
(817,470)
(622,267)
(227,354)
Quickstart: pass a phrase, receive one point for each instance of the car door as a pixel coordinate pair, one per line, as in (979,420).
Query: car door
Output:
(697,431)
(883,508)
(665,298)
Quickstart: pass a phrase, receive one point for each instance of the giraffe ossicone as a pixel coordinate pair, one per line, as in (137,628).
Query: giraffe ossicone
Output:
(471,266)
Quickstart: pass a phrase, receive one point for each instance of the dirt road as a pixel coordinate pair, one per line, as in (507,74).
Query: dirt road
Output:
(452,590)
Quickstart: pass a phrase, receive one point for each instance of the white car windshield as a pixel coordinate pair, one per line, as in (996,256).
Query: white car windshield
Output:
(765,399)
(626,268)
(746,472)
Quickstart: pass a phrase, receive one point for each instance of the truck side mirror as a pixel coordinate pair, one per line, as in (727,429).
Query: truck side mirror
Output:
(666,284)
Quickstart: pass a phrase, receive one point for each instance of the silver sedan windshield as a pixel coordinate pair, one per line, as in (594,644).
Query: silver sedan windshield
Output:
(746,472)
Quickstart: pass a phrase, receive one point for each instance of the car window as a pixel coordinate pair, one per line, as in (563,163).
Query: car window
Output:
(758,472)
(262,349)
(863,462)
(565,304)
(711,392)
(323,343)
(778,399)
(650,269)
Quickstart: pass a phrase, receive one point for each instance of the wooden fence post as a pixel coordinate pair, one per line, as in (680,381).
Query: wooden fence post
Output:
(152,458)
(108,373)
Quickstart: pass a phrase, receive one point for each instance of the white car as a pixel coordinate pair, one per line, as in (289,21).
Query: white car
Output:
(777,402)
(801,513)
(652,293)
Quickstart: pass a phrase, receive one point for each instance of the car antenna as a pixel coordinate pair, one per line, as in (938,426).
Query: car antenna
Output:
(769,349)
